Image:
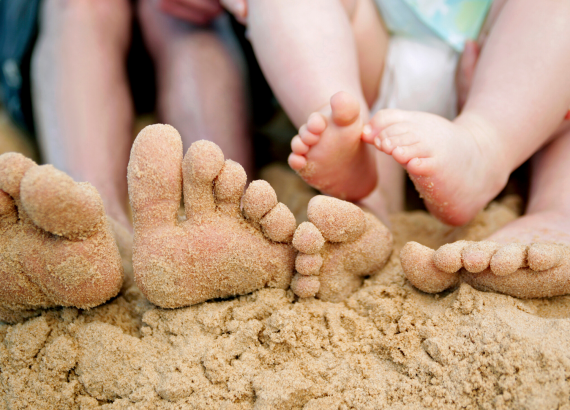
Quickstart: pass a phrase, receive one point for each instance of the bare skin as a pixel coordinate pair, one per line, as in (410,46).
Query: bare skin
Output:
(505,120)
(218,251)
(338,247)
(56,246)
(529,257)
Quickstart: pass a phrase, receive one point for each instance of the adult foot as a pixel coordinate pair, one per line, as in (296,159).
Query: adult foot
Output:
(56,246)
(217,251)
(527,258)
(455,166)
(329,154)
(338,247)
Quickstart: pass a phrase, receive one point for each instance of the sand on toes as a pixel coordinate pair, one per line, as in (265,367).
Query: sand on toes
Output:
(329,154)
(219,250)
(533,270)
(338,247)
(56,245)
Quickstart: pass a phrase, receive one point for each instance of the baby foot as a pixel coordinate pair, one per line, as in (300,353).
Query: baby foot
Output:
(528,258)
(329,154)
(454,165)
(217,251)
(338,247)
(56,246)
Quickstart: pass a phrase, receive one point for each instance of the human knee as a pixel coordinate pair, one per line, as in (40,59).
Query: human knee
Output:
(110,18)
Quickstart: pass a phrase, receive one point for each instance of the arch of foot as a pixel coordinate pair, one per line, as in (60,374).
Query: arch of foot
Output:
(528,271)
(337,247)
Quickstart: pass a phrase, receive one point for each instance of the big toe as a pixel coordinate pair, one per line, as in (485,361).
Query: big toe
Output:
(338,221)
(420,269)
(345,108)
(59,205)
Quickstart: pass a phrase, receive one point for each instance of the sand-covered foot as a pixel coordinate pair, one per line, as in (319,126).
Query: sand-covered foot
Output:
(528,258)
(338,247)
(218,251)
(329,154)
(456,166)
(56,245)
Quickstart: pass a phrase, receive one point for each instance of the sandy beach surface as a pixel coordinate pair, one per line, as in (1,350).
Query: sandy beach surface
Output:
(387,346)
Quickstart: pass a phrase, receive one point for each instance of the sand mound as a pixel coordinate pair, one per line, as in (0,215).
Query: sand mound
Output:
(387,346)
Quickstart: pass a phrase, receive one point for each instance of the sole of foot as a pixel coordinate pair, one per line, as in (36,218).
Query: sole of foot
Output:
(338,247)
(219,250)
(440,156)
(528,258)
(56,246)
(329,154)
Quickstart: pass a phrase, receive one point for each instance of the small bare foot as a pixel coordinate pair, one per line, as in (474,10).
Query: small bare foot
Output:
(338,247)
(528,258)
(455,166)
(329,154)
(218,251)
(56,246)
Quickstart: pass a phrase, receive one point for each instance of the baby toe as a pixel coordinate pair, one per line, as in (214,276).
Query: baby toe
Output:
(305,286)
(298,146)
(279,224)
(448,257)
(297,162)
(258,200)
(308,239)
(316,123)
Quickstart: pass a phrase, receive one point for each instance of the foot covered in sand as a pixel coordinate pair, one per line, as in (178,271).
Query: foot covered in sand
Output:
(218,251)
(338,247)
(455,166)
(329,154)
(528,258)
(56,245)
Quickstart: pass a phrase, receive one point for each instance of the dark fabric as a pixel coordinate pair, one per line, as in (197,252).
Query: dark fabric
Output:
(18,31)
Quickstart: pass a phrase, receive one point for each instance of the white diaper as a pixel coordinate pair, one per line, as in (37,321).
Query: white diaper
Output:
(419,75)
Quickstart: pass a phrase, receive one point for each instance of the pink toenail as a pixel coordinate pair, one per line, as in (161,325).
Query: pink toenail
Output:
(367,129)
(377,142)
(388,143)
(398,150)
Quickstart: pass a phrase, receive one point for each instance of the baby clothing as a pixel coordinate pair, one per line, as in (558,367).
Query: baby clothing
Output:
(426,39)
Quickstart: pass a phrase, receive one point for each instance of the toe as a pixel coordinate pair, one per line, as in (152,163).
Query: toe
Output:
(345,108)
(420,270)
(404,154)
(421,167)
(308,239)
(337,220)
(59,205)
(298,146)
(13,166)
(228,188)
(385,118)
(297,162)
(543,256)
(305,286)
(448,257)
(308,264)
(316,123)
(258,200)
(308,137)
(279,224)
(508,259)
(202,164)
(477,256)
(155,176)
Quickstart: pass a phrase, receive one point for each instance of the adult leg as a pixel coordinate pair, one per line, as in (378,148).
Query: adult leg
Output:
(201,81)
(81,95)
(518,98)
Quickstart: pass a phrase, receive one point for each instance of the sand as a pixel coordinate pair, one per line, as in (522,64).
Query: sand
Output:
(387,346)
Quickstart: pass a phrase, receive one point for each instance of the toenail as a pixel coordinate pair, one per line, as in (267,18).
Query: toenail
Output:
(377,142)
(388,143)
(398,150)
(367,129)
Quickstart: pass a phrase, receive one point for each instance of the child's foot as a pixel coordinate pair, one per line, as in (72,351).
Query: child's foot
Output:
(217,251)
(329,154)
(338,247)
(455,166)
(528,258)
(56,246)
